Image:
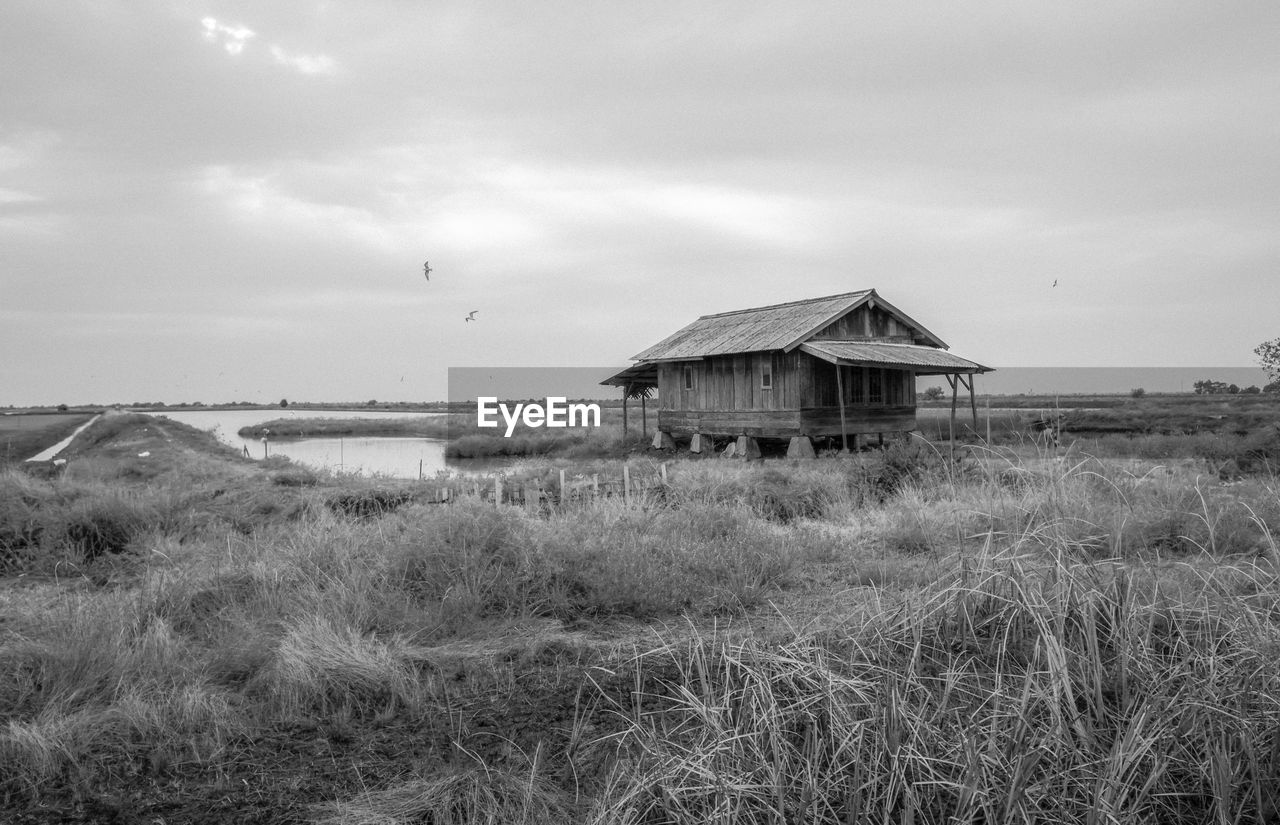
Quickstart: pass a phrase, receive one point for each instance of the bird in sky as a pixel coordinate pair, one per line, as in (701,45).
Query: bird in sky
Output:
(1055,281)
(471,316)
(426,270)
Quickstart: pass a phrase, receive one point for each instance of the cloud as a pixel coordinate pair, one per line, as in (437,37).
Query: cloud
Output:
(8,196)
(304,63)
(232,38)
(259,201)
(235,38)
(36,226)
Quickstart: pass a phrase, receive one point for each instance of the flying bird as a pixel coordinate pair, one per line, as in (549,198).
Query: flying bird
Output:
(426,270)
(471,316)
(1055,281)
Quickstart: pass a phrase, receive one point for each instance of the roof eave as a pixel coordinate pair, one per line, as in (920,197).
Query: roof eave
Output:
(918,369)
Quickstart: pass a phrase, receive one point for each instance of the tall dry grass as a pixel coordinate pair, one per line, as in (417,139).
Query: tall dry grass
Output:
(1037,637)
(1020,690)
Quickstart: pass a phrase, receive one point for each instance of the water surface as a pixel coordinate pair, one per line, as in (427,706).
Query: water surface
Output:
(395,457)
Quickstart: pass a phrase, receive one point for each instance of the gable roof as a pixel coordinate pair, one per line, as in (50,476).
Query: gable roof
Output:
(776,327)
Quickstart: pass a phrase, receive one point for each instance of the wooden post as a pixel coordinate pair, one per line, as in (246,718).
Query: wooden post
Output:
(662,468)
(625,428)
(497,490)
(844,433)
(644,416)
(988,419)
(953,380)
(626,483)
(951,426)
(973,403)
(562,485)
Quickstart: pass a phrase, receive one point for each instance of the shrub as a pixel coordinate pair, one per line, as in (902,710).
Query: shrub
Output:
(95,526)
(367,504)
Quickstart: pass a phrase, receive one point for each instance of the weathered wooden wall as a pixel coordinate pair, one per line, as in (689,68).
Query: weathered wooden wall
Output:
(733,382)
(869,324)
(727,397)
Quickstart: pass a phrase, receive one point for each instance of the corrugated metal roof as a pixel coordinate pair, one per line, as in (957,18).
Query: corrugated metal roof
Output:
(752,330)
(923,360)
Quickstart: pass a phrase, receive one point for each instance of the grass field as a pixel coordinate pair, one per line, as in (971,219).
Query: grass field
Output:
(1013,634)
(25,435)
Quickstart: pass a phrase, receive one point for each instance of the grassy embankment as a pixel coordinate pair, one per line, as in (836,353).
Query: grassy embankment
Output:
(894,637)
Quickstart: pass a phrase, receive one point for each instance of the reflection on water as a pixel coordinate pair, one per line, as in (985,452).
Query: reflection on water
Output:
(396,457)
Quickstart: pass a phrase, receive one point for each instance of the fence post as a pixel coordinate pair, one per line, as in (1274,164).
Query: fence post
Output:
(662,468)
(626,484)
(497,490)
(595,485)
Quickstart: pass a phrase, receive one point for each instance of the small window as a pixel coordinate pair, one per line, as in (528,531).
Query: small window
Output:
(688,377)
(766,376)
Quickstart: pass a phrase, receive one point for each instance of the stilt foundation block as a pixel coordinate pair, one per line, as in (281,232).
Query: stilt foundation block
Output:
(800,447)
(748,448)
(663,441)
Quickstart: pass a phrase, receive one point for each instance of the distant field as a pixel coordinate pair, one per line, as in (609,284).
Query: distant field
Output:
(25,435)
(293,428)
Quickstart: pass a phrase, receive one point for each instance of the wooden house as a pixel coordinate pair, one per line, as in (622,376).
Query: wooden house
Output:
(841,366)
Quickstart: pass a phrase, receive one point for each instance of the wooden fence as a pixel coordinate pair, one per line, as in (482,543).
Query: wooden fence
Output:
(631,487)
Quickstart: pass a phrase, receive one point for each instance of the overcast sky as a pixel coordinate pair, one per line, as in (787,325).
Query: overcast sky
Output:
(218,201)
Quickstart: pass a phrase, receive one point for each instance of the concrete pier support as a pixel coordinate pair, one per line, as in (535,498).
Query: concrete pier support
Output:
(748,447)
(800,447)
(663,441)
(695,444)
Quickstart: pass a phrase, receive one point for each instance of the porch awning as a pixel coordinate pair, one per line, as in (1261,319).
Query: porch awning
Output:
(918,359)
(637,375)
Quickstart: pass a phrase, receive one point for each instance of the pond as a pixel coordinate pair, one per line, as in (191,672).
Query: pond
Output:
(385,456)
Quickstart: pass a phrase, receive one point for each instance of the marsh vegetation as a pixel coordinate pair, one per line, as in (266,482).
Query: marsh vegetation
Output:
(1009,634)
